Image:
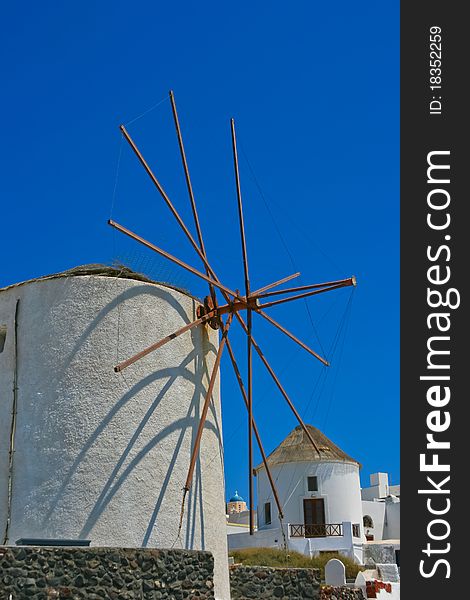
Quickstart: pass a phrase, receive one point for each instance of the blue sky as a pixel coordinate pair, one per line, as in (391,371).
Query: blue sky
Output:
(314,89)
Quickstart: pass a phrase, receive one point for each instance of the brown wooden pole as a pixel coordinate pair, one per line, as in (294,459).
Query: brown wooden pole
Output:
(190,190)
(170,257)
(250,418)
(255,429)
(278,383)
(219,311)
(293,337)
(249,321)
(271,285)
(166,198)
(126,363)
(304,295)
(240,208)
(302,288)
(186,172)
(205,408)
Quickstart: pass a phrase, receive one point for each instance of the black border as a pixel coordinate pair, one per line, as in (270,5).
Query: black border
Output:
(421,133)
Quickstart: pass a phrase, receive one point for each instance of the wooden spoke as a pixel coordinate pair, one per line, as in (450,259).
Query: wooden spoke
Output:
(255,429)
(240,208)
(250,417)
(205,408)
(170,257)
(293,337)
(126,363)
(190,190)
(304,295)
(303,288)
(165,198)
(271,285)
(249,321)
(278,383)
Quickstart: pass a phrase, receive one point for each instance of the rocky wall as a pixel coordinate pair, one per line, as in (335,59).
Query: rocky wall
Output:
(274,583)
(44,573)
(329,592)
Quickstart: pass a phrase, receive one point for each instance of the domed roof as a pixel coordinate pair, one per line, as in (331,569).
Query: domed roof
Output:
(298,448)
(236,498)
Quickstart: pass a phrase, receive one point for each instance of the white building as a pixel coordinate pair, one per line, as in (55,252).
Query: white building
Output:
(381,513)
(100,455)
(325,509)
(321,496)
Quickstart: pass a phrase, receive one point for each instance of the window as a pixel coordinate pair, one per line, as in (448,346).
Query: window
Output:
(356,530)
(267,513)
(3,336)
(312,484)
(368,522)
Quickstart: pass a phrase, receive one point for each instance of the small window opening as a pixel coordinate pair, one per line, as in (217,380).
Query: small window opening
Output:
(267,513)
(312,483)
(367,521)
(3,336)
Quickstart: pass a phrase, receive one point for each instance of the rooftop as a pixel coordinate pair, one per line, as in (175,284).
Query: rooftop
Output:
(298,448)
(120,271)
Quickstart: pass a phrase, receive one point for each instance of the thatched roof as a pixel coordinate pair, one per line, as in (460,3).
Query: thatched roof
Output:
(120,271)
(298,448)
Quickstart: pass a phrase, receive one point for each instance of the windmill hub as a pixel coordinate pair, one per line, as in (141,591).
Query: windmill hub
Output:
(209,306)
(206,308)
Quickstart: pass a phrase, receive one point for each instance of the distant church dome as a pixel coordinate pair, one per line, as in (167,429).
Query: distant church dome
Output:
(236,498)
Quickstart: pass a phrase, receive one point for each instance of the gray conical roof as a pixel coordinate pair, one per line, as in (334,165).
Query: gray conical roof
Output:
(298,448)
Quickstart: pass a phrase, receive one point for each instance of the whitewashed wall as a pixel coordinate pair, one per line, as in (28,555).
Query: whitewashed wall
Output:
(392,529)
(100,455)
(338,485)
(376,510)
(273,538)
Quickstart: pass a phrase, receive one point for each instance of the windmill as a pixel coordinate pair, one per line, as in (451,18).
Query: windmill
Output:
(220,314)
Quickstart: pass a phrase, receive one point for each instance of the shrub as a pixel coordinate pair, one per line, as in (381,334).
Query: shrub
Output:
(272,557)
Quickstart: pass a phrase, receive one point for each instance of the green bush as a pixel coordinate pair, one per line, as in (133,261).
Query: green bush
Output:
(271,557)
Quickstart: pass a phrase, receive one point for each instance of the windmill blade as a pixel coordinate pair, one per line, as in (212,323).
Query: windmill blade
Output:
(240,208)
(293,337)
(190,190)
(249,321)
(271,285)
(126,363)
(278,383)
(165,198)
(207,400)
(170,257)
(345,282)
(255,429)
(250,416)
(304,295)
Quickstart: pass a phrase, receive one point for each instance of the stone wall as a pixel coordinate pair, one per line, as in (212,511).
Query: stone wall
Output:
(329,592)
(378,553)
(274,583)
(43,573)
